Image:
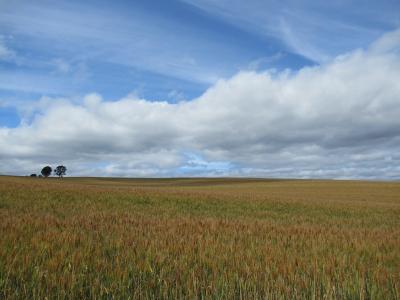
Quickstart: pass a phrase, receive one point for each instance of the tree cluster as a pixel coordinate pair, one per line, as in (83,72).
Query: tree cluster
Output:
(60,171)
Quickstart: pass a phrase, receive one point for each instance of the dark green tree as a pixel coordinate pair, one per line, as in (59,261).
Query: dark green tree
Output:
(60,171)
(46,171)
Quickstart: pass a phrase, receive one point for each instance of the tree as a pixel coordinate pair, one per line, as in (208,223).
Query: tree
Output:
(46,171)
(33,175)
(60,171)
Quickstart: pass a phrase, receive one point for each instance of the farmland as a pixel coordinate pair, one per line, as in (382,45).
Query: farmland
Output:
(198,238)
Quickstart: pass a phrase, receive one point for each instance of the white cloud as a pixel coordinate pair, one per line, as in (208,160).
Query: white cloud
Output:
(299,44)
(6,54)
(83,33)
(317,30)
(338,120)
(61,65)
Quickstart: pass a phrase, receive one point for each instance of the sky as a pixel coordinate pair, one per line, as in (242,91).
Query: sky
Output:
(180,88)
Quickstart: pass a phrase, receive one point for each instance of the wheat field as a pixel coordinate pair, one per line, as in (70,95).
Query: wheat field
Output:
(104,238)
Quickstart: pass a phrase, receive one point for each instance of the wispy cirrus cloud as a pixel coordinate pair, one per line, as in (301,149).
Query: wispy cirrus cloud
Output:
(74,47)
(316,30)
(6,54)
(81,32)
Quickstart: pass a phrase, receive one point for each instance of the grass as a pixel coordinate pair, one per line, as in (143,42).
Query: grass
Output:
(198,238)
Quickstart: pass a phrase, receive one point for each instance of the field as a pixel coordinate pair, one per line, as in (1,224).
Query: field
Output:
(198,238)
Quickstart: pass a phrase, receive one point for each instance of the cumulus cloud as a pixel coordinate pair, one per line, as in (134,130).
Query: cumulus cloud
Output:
(336,120)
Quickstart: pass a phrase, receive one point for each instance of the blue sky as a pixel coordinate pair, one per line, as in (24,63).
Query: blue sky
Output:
(159,49)
(169,51)
(153,48)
